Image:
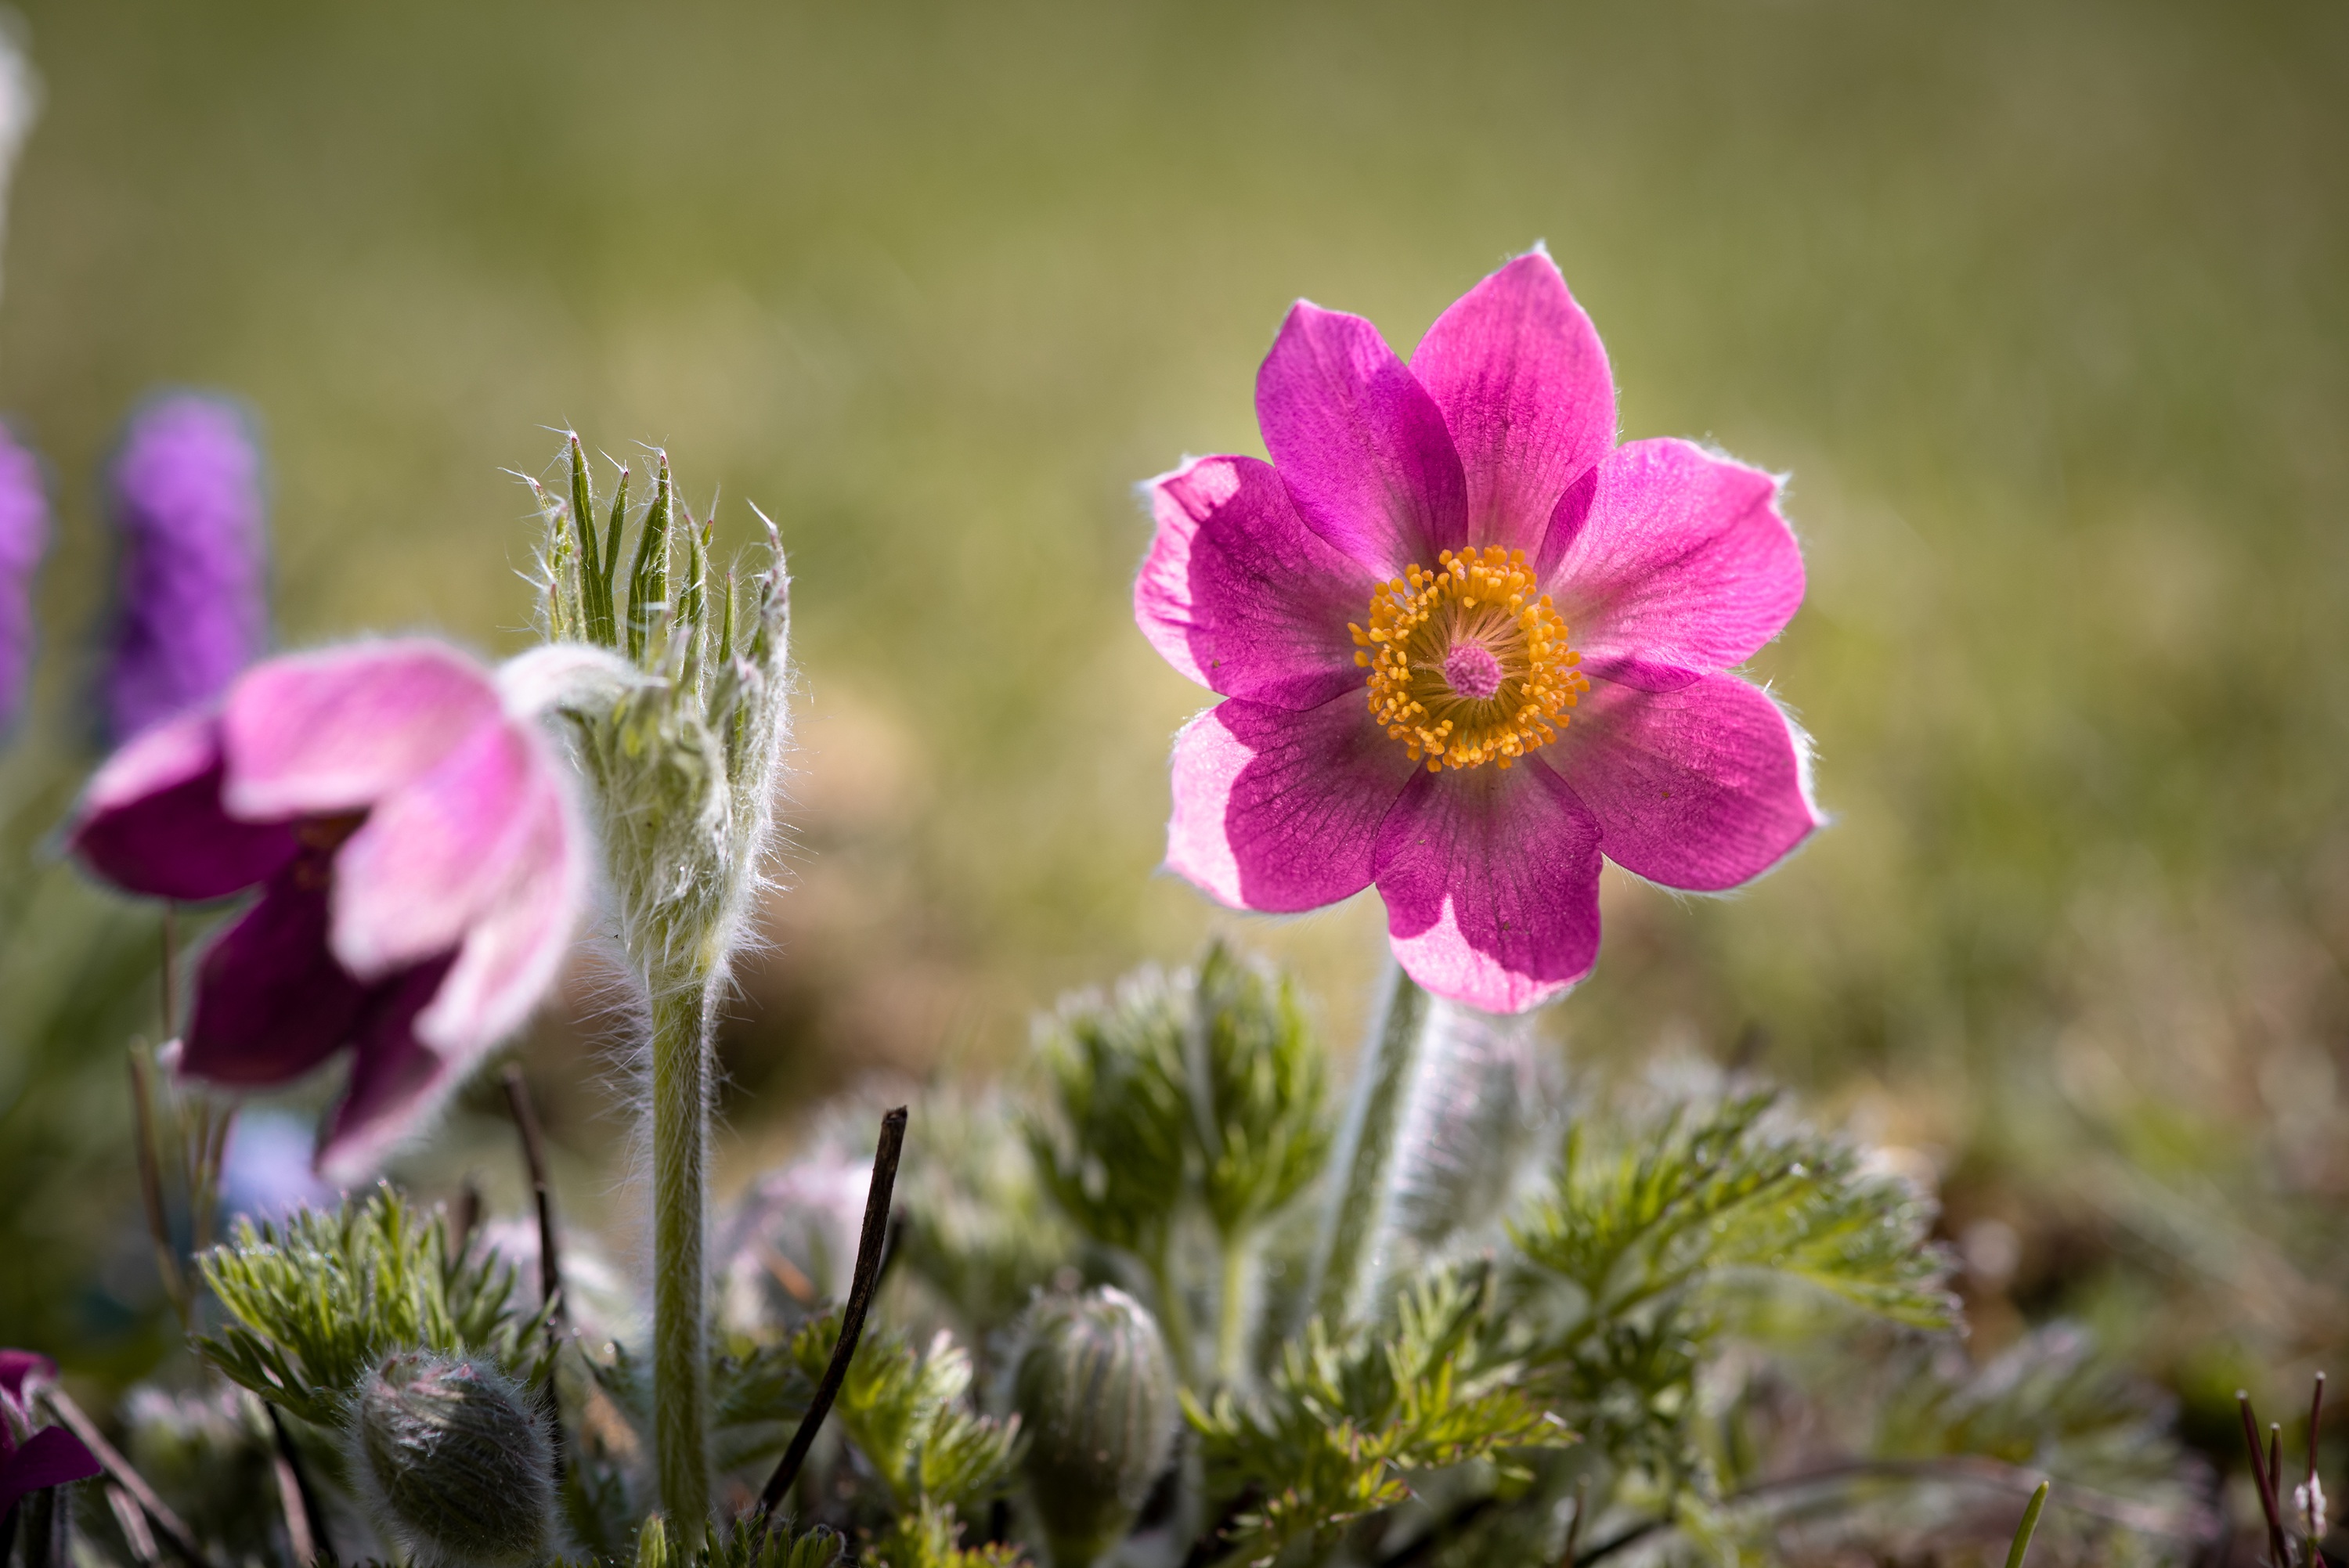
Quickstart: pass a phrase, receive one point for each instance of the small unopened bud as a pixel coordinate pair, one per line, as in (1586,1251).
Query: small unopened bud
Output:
(456,1467)
(652,1544)
(2308,1508)
(1095,1392)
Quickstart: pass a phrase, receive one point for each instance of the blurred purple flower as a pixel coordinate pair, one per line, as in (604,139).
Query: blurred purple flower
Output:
(31,1460)
(265,1171)
(186,494)
(421,863)
(24,534)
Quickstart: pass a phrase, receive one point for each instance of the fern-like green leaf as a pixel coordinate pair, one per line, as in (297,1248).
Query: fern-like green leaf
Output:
(929,1535)
(317,1297)
(1708,1198)
(1348,1420)
(907,1412)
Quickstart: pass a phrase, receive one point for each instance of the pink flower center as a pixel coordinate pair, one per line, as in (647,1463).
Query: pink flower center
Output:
(1467,664)
(1473,671)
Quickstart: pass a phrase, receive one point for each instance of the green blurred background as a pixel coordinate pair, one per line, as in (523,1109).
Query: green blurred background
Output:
(2044,307)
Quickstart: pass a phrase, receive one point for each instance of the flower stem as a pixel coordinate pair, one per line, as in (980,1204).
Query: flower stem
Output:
(1173,1312)
(681,1019)
(1233,1310)
(1366,1150)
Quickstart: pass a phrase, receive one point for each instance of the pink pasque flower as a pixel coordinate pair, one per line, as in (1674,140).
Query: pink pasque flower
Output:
(44,1456)
(1467,645)
(421,867)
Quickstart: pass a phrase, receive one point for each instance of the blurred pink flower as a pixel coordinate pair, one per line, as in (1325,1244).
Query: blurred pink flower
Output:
(43,1455)
(421,863)
(1544,620)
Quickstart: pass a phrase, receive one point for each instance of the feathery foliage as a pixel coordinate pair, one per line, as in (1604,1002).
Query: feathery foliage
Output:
(908,1414)
(746,1545)
(1621,1352)
(1710,1199)
(929,1535)
(1257,1084)
(1348,1420)
(317,1297)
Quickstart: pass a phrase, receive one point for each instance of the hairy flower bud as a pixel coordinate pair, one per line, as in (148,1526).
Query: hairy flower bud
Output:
(454,1462)
(2308,1509)
(1095,1392)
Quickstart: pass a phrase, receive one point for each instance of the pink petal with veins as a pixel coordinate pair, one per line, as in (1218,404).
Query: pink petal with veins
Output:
(1519,371)
(338,730)
(1359,442)
(1491,882)
(1280,810)
(1240,595)
(1670,561)
(436,852)
(1701,787)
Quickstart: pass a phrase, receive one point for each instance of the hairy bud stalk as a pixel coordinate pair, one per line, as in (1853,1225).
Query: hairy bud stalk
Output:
(1445,1126)
(681,743)
(453,1461)
(1095,1392)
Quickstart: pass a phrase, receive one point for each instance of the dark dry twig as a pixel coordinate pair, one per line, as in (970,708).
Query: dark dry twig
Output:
(2315,1416)
(2260,1474)
(533,1154)
(151,1186)
(203,1182)
(175,1535)
(549,1262)
(133,1523)
(1581,1506)
(305,1522)
(870,1245)
(462,1219)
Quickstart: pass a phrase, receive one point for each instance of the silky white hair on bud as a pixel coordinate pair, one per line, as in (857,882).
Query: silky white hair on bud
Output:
(453,1462)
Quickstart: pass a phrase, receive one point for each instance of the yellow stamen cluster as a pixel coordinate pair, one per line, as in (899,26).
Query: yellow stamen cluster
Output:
(1468,664)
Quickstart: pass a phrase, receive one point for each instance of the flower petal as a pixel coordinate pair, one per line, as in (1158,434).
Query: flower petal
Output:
(152,822)
(1701,787)
(18,1368)
(1668,559)
(398,1082)
(435,852)
(1279,810)
(1240,595)
(1360,443)
(1490,880)
(515,950)
(338,729)
(271,1001)
(50,1456)
(1522,379)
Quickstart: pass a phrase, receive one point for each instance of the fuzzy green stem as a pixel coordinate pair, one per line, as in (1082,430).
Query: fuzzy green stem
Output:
(680,1045)
(1173,1312)
(1366,1150)
(1233,1310)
